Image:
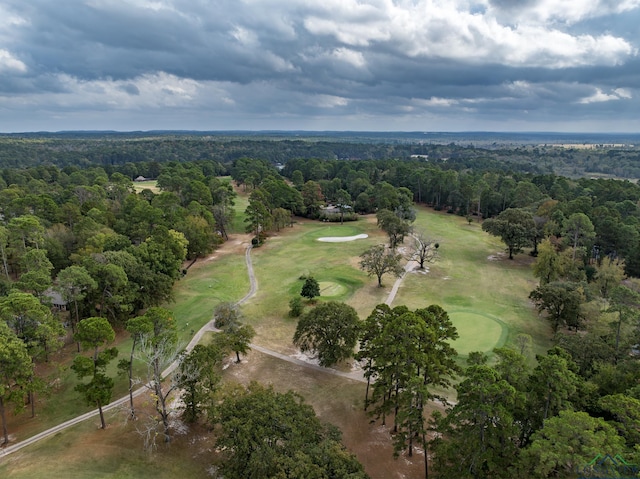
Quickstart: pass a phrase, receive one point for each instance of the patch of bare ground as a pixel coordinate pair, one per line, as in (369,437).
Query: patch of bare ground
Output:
(521,259)
(236,244)
(340,402)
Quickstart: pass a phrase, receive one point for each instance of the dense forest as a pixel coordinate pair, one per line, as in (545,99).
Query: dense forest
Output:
(72,223)
(535,153)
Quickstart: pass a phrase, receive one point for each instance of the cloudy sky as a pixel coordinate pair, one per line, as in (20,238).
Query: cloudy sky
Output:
(384,65)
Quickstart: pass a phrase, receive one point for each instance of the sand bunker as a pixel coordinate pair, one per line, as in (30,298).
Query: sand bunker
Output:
(340,239)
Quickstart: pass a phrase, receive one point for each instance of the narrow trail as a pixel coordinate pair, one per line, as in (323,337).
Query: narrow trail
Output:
(209,327)
(410,266)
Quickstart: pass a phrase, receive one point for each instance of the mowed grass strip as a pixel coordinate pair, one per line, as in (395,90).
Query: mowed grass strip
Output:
(219,278)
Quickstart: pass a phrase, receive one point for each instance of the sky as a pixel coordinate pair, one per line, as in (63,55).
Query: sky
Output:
(357,65)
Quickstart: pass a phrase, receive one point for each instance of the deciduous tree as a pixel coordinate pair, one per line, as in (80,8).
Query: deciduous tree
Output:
(157,350)
(395,227)
(226,315)
(239,339)
(561,301)
(514,226)
(377,261)
(268,434)
(425,249)
(547,267)
(330,330)
(198,377)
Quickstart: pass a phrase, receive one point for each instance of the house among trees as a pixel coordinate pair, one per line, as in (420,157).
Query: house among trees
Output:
(140,178)
(57,302)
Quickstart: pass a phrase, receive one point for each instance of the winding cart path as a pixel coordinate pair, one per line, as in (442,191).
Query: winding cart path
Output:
(209,327)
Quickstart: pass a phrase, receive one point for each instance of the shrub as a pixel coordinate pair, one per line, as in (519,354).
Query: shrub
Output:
(296,307)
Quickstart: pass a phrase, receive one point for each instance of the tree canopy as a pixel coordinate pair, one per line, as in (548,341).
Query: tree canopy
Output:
(330,331)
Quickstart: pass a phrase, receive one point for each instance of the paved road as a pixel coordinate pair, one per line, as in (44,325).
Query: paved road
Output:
(209,327)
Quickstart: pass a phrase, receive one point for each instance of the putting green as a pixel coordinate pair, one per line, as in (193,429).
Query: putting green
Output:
(478,332)
(329,289)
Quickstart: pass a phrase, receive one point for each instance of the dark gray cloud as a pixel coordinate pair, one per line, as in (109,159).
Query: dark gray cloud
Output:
(337,64)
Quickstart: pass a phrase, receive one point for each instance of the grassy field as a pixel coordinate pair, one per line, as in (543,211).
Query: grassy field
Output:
(282,262)
(485,294)
(146,185)
(473,275)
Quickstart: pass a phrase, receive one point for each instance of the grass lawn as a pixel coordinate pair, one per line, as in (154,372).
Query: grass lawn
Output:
(478,331)
(296,252)
(473,275)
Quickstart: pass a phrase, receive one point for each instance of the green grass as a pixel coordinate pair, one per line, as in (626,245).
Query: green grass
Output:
(238,225)
(478,332)
(329,289)
(207,284)
(470,275)
(294,253)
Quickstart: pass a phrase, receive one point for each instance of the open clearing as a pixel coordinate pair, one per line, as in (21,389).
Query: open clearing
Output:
(146,185)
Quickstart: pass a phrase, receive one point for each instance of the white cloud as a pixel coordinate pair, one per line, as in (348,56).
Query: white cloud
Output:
(434,102)
(327,101)
(599,96)
(623,93)
(349,56)
(339,60)
(9,62)
(455,30)
(155,90)
(563,12)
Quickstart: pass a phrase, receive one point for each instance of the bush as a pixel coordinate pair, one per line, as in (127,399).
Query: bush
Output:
(296,307)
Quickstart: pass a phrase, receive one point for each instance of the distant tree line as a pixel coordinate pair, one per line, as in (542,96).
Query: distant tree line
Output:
(598,218)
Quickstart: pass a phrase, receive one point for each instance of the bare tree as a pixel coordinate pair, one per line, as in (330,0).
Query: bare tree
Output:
(424,250)
(158,355)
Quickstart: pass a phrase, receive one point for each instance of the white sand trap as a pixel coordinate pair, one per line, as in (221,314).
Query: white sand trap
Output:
(341,239)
